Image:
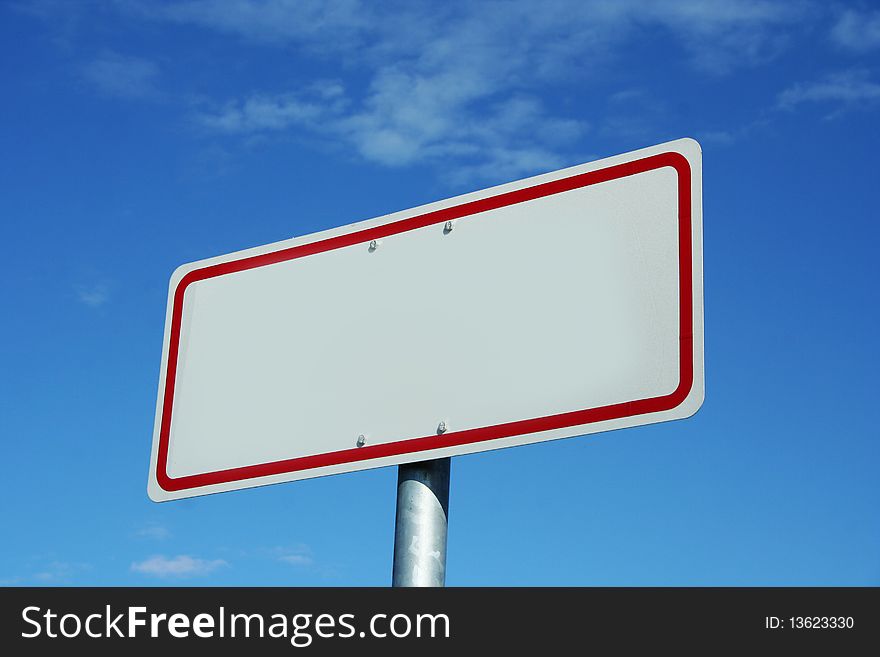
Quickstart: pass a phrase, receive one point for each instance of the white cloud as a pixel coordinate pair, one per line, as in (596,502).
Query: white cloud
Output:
(405,120)
(722,35)
(296,559)
(858,31)
(93,295)
(181,566)
(732,135)
(58,571)
(718,35)
(450,84)
(265,112)
(120,76)
(849,88)
(299,555)
(52,573)
(267,21)
(154,531)
(48,576)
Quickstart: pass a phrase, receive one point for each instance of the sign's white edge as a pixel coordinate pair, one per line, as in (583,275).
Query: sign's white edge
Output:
(687,147)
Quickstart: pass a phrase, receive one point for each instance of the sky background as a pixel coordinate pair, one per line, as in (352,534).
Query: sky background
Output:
(136,136)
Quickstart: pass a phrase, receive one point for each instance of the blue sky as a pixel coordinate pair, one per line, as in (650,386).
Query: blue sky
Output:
(140,135)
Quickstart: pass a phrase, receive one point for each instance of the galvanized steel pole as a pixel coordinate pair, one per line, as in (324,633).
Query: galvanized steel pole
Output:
(420,525)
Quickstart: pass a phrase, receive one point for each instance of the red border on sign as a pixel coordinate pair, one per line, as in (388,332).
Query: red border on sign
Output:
(508,429)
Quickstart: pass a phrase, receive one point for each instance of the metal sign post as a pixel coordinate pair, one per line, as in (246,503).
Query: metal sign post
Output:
(421,524)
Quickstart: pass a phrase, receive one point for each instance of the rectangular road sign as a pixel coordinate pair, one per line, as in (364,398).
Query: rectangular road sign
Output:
(559,305)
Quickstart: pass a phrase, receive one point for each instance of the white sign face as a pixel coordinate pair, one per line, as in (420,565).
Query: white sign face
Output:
(560,305)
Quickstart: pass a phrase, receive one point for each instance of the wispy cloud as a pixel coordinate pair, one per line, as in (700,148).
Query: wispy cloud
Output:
(296,559)
(397,125)
(154,531)
(179,567)
(847,88)
(268,21)
(121,76)
(56,572)
(50,573)
(92,295)
(298,556)
(732,135)
(264,112)
(448,83)
(858,31)
(721,36)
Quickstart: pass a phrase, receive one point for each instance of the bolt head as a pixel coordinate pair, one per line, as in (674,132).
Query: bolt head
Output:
(441,428)
(374,245)
(361,441)
(447,227)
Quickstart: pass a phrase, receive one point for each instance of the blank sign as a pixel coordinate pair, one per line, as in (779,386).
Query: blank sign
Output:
(555,306)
